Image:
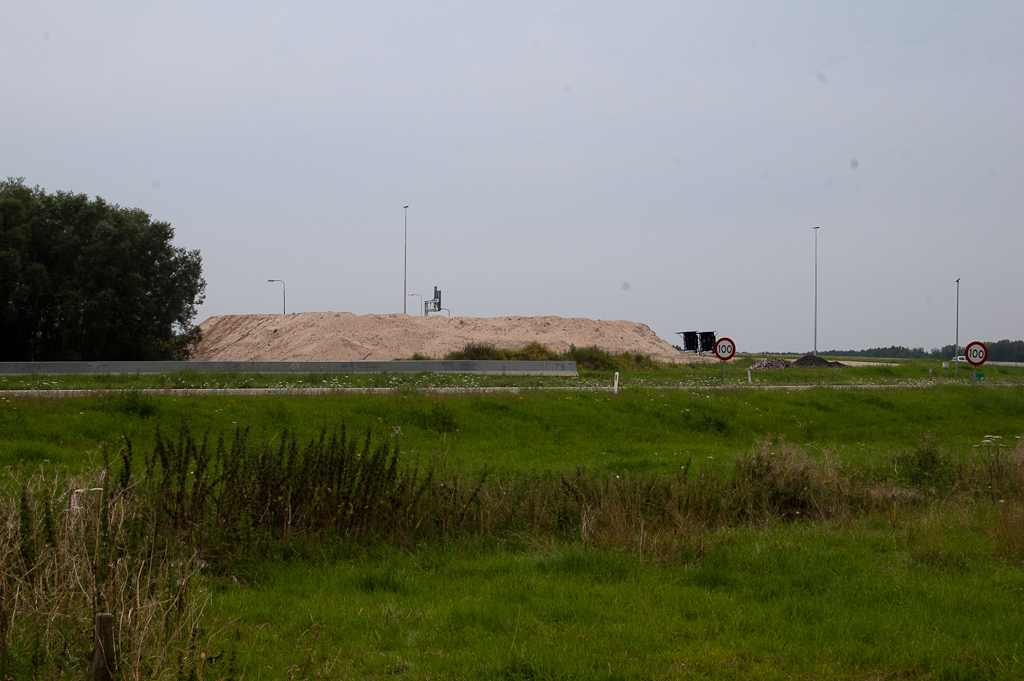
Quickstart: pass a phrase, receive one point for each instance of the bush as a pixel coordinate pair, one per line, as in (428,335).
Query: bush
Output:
(477,353)
(590,358)
(927,467)
(593,358)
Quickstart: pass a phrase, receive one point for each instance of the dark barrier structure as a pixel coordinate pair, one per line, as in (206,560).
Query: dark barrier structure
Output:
(486,367)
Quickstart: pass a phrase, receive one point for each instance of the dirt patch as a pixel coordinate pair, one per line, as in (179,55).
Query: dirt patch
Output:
(346,337)
(810,361)
(770,364)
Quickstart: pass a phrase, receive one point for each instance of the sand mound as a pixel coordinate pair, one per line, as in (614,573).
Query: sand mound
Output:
(346,337)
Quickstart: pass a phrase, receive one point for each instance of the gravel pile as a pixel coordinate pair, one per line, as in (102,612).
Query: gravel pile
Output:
(770,363)
(814,361)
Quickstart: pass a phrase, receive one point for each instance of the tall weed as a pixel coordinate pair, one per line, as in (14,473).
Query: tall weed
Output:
(70,548)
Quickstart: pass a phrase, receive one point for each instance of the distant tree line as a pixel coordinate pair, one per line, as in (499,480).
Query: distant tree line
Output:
(998,351)
(82,279)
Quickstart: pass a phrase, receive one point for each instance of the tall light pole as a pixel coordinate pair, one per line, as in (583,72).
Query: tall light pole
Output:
(816,290)
(956,350)
(421,301)
(405,265)
(284,295)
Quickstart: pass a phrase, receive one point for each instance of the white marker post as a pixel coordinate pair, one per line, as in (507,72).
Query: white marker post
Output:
(724,350)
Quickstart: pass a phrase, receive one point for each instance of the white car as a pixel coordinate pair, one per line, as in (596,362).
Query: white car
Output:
(961,358)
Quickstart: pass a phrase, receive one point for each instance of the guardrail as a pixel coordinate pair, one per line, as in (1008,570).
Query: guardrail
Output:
(485,367)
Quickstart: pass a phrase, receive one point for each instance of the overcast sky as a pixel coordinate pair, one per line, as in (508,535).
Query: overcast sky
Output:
(661,162)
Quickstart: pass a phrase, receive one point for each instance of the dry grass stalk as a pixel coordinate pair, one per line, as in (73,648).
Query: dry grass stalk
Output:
(73,551)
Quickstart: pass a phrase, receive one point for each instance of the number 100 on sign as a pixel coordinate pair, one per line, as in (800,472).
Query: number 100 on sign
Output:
(725,349)
(977,353)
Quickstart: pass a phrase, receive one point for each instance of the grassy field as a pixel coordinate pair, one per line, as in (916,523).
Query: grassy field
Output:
(719,531)
(641,428)
(921,597)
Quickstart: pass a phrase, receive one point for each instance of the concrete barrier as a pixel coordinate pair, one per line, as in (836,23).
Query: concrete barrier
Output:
(485,367)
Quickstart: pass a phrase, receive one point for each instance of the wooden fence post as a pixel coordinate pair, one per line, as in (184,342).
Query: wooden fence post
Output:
(103,653)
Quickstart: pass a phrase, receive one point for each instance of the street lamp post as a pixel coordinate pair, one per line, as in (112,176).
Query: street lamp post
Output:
(421,301)
(405,265)
(816,290)
(284,295)
(956,349)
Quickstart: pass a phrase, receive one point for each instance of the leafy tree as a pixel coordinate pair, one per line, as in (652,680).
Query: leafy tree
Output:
(893,352)
(81,279)
(998,351)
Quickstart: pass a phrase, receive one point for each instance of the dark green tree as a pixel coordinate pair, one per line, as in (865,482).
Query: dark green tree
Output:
(1006,351)
(82,279)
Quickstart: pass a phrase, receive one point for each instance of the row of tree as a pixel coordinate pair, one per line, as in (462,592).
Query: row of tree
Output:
(82,279)
(998,351)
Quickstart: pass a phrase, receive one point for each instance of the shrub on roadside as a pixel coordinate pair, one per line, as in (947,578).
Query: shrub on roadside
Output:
(927,467)
(591,358)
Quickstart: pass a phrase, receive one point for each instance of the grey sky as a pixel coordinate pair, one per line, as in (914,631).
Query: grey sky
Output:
(662,162)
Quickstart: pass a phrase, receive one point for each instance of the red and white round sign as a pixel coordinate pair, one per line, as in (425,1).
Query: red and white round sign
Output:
(725,349)
(976,353)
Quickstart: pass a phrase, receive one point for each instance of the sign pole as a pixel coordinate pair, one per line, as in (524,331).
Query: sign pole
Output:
(956,348)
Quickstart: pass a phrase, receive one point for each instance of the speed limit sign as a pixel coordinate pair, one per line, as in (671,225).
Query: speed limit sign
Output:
(976,353)
(725,349)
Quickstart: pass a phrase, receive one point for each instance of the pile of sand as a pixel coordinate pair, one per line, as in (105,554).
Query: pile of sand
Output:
(346,337)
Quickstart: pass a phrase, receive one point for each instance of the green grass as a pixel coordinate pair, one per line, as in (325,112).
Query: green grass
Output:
(913,568)
(636,430)
(922,598)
